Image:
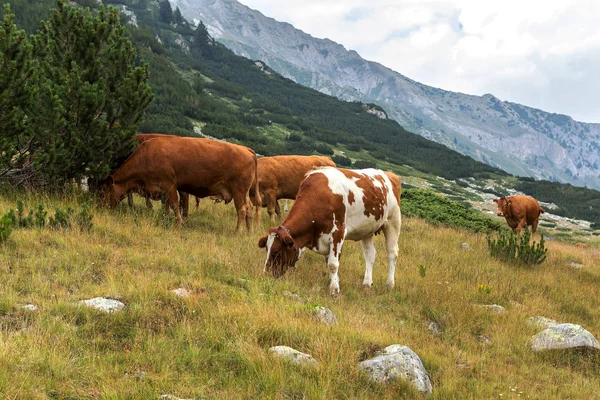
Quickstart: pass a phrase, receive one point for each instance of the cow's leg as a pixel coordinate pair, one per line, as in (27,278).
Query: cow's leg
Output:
(520,226)
(534,226)
(277,209)
(333,264)
(148,202)
(239,200)
(184,203)
(130,199)
(391,231)
(173,202)
(271,199)
(369,252)
(197,202)
(249,214)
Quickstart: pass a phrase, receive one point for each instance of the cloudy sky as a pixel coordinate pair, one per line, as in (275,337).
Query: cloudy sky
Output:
(541,53)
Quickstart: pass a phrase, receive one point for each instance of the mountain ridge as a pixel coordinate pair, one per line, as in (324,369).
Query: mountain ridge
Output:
(517,138)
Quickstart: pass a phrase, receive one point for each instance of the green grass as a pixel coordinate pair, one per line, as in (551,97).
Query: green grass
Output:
(214,344)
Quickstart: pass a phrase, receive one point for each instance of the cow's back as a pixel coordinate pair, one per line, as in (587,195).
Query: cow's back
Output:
(285,173)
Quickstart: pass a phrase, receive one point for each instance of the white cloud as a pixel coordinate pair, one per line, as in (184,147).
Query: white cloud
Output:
(541,53)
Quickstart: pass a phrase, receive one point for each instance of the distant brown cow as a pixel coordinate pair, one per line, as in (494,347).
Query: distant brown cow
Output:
(201,167)
(279,177)
(518,211)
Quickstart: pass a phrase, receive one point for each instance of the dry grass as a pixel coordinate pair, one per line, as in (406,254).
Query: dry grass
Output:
(214,344)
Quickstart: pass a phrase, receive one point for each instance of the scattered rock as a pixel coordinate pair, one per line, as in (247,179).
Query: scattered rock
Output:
(564,336)
(576,264)
(171,397)
(484,340)
(465,246)
(140,375)
(434,328)
(292,296)
(293,356)
(104,304)
(181,292)
(398,362)
(29,307)
(542,322)
(324,315)
(492,307)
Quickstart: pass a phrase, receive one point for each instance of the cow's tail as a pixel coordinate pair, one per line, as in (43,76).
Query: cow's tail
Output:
(257,199)
(541,211)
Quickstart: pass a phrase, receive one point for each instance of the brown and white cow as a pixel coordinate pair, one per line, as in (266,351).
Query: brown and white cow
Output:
(334,205)
(519,211)
(279,177)
(201,167)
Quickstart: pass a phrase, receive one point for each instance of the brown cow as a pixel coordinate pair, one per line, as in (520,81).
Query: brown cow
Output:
(201,167)
(334,205)
(518,211)
(279,177)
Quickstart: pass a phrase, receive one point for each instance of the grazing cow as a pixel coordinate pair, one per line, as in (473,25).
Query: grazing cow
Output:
(279,177)
(518,211)
(334,205)
(201,167)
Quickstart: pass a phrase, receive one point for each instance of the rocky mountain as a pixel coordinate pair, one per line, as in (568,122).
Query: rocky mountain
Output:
(521,140)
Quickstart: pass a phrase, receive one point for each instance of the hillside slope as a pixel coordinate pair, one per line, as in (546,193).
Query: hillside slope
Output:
(521,140)
(214,344)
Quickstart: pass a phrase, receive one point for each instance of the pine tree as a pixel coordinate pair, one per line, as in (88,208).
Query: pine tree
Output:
(177,17)
(15,72)
(165,12)
(202,44)
(90,98)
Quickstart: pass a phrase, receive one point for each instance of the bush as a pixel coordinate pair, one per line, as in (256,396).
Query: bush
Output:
(84,218)
(361,164)
(515,249)
(61,219)
(6,224)
(342,161)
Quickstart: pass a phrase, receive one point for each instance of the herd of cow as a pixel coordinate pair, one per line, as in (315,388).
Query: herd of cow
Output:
(332,204)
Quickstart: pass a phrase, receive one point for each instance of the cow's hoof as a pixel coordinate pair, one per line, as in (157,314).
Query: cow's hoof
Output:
(390,285)
(334,292)
(367,285)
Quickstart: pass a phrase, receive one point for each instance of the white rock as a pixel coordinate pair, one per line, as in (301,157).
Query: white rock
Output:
(292,296)
(171,397)
(492,307)
(29,307)
(324,315)
(104,304)
(181,292)
(434,328)
(563,336)
(294,356)
(398,362)
(542,322)
(484,340)
(465,246)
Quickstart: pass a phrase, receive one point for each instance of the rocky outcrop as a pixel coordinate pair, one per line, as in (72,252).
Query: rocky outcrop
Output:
(293,356)
(564,336)
(104,304)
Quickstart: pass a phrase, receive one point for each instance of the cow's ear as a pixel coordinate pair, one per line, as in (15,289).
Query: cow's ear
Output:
(262,243)
(509,202)
(495,200)
(110,181)
(288,240)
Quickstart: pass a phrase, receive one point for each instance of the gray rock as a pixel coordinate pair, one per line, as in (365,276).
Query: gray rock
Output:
(465,246)
(293,356)
(171,397)
(181,292)
(104,304)
(398,361)
(292,296)
(324,315)
(576,265)
(564,336)
(484,340)
(492,307)
(434,328)
(542,322)
(29,307)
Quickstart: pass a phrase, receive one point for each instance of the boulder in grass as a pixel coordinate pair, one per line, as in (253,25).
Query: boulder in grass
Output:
(542,322)
(104,304)
(181,292)
(324,315)
(398,361)
(564,336)
(291,355)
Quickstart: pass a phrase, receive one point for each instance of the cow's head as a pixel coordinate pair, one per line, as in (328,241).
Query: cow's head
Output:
(282,252)
(503,206)
(109,194)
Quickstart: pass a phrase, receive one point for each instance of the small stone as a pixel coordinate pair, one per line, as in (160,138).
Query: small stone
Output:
(398,361)
(29,307)
(542,322)
(564,336)
(434,328)
(292,296)
(465,246)
(171,397)
(140,375)
(484,340)
(181,292)
(324,315)
(492,307)
(104,304)
(576,264)
(294,356)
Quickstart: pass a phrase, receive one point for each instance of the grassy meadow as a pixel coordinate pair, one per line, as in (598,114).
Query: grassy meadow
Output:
(214,344)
